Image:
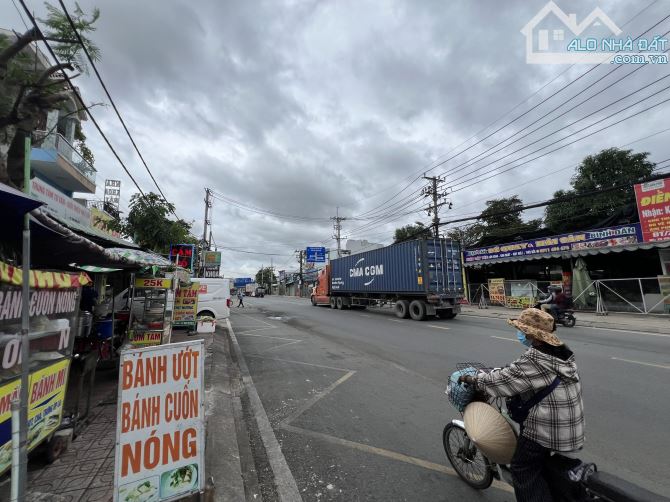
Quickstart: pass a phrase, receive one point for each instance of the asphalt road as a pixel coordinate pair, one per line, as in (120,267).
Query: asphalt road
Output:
(356,398)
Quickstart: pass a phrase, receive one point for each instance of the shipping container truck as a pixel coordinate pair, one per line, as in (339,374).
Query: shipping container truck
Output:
(249,289)
(417,278)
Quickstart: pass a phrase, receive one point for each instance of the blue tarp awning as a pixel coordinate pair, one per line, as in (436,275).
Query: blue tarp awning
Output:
(17,201)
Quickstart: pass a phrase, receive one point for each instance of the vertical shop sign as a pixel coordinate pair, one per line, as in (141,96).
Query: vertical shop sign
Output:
(653,207)
(497,291)
(160,430)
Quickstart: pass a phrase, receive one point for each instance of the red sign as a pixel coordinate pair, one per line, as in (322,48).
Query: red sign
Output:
(653,206)
(182,255)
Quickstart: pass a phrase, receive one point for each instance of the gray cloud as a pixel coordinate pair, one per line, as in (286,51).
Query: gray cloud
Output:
(298,107)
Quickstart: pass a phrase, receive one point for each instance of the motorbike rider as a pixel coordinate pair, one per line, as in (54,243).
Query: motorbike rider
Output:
(555,302)
(556,423)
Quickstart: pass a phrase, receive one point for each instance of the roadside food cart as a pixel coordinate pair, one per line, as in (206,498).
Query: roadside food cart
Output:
(54,308)
(151,307)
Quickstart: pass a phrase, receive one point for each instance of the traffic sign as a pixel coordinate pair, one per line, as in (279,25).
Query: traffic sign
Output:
(315,255)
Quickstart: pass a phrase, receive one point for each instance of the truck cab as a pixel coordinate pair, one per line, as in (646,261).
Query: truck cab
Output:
(321,291)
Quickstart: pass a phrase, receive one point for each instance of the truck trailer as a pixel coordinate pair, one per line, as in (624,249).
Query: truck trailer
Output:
(418,278)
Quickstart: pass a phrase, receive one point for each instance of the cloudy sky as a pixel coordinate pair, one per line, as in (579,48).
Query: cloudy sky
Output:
(290,109)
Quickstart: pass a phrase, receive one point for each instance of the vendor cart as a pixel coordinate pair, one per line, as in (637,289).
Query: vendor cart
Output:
(151,306)
(54,309)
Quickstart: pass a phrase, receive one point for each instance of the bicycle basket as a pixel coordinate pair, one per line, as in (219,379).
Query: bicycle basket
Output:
(461,394)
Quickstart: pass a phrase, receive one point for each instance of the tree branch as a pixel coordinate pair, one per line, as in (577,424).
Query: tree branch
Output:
(53,69)
(19,44)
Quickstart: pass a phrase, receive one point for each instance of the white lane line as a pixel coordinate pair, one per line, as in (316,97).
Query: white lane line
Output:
(272,337)
(394,320)
(503,338)
(435,326)
(281,345)
(254,331)
(258,356)
(646,333)
(642,363)
(400,457)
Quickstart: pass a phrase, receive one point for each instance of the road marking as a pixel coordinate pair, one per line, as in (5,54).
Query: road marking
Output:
(317,397)
(435,326)
(394,320)
(258,356)
(254,330)
(503,338)
(280,346)
(642,363)
(646,333)
(256,320)
(400,457)
(273,337)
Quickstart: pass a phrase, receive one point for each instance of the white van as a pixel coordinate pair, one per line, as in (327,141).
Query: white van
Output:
(214,298)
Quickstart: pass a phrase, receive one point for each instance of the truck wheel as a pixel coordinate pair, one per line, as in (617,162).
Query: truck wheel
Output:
(402,309)
(332,302)
(313,302)
(340,303)
(417,310)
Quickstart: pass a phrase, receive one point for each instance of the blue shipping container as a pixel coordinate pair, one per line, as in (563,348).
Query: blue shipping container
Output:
(414,267)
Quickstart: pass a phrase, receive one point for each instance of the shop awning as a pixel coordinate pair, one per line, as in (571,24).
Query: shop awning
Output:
(102,238)
(16,201)
(144,258)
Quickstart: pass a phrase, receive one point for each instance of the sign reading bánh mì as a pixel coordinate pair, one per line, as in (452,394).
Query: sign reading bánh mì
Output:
(653,207)
(160,430)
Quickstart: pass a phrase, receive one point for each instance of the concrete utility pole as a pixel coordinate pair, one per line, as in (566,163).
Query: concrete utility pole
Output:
(300,260)
(206,225)
(337,226)
(433,190)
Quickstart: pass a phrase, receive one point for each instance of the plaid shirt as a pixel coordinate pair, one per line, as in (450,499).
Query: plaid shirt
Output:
(557,422)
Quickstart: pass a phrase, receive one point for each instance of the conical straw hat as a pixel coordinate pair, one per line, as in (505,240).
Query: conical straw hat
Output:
(489,430)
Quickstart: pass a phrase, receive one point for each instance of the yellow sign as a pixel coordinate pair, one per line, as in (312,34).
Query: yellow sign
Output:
(47,395)
(153,283)
(186,304)
(497,291)
(145,338)
(519,302)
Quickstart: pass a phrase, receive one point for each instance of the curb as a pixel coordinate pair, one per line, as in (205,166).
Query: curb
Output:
(580,322)
(222,454)
(287,489)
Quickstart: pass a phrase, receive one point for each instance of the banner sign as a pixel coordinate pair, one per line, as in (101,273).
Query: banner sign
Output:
(576,241)
(186,304)
(60,205)
(315,255)
(497,291)
(182,255)
(212,259)
(522,294)
(46,394)
(160,433)
(145,338)
(653,207)
(153,283)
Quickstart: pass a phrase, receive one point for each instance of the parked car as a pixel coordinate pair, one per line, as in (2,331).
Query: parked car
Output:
(214,298)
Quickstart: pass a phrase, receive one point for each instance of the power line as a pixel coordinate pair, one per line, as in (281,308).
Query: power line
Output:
(111,100)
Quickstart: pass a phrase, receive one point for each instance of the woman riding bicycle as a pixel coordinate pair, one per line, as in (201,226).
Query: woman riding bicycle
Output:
(556,423)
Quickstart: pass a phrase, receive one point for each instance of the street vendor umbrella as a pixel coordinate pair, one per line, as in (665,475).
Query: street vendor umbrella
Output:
(582,285)
(489,430)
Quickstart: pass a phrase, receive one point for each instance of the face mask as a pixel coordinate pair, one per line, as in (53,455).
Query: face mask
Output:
(522,338)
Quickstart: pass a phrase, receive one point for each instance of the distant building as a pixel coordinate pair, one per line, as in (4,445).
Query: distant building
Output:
(359,246)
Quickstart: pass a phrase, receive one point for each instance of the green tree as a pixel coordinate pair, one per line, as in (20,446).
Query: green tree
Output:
(468,236)
(149,224)
(502,217)
(27,90)
(266,277)
(607,169)
(416,231)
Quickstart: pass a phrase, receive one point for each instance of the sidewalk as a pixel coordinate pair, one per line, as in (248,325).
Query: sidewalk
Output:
(631,322)
(85,471)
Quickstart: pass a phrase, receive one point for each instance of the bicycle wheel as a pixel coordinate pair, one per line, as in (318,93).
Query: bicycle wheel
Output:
(470,464)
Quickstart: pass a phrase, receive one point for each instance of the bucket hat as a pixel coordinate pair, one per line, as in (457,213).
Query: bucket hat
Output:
(538,325)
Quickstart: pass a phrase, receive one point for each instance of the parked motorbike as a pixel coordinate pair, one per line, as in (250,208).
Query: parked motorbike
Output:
(566,317)
(569,479)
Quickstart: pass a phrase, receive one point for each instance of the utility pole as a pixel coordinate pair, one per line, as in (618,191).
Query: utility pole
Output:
(433,191)
(206,225)
(300,260)
(337,226)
